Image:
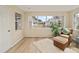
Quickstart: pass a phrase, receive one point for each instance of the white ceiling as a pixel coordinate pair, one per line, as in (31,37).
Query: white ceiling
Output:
(47,7)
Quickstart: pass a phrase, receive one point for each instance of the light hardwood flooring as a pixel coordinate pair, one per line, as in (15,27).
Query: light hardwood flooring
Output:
(24,46)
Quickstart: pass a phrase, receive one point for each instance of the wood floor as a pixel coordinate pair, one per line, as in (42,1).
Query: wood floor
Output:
(23,46)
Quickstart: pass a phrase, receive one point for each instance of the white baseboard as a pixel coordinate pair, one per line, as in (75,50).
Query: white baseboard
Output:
(13,44)
(16,42)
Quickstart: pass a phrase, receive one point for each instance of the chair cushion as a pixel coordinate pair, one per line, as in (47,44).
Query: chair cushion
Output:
(65,36)
(61,39)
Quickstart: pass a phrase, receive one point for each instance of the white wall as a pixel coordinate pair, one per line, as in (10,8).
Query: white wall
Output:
(4,27)
(0,31)
(40,32)
(18,34)
(7,22)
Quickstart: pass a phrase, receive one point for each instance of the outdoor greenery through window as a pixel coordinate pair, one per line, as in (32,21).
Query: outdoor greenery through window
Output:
(76,21)
(46,21)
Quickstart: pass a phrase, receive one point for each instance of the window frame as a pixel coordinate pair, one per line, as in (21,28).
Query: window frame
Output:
(75,21)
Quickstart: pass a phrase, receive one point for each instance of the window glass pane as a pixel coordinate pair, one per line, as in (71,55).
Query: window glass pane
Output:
(36,16)
(46,21)
(49,18)
(42,18)
(76,21)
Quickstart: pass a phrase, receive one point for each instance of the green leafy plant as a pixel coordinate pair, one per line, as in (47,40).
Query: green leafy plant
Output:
(55,29)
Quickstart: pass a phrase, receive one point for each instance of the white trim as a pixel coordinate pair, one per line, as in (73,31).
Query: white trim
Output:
(14,44)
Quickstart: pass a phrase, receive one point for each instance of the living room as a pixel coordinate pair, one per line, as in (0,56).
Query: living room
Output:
(21,27)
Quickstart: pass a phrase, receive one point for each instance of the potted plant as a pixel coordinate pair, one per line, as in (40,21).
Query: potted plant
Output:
(55,29)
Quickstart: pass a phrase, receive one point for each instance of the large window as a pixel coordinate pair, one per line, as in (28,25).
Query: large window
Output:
(46,21)
(76,21)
